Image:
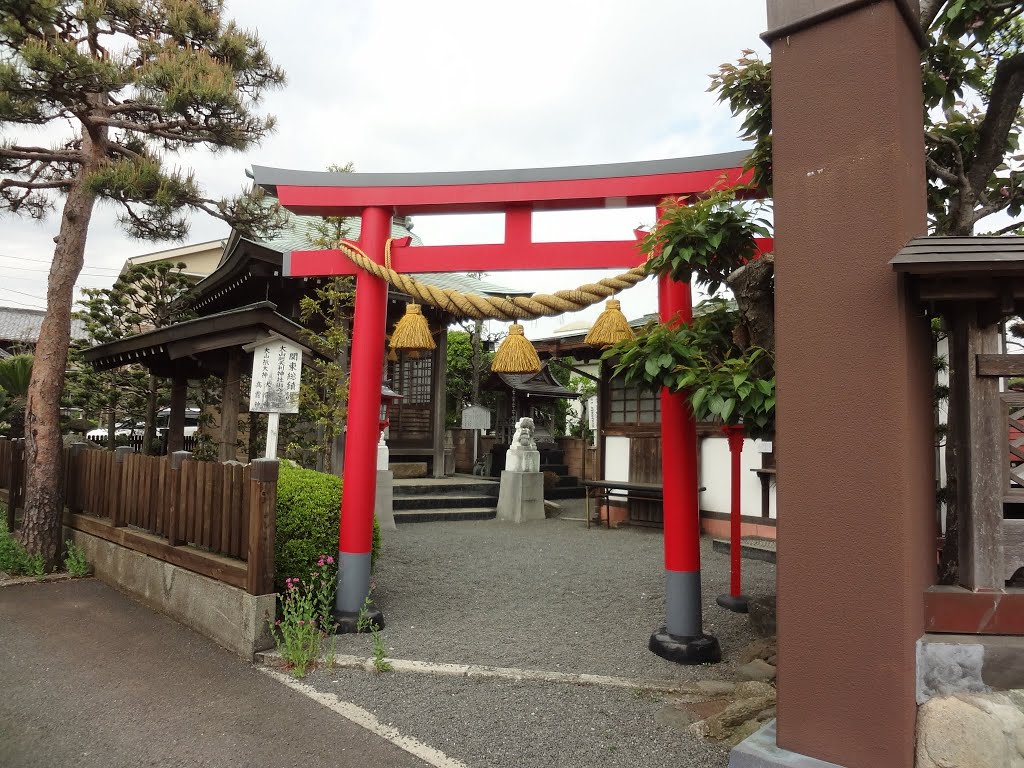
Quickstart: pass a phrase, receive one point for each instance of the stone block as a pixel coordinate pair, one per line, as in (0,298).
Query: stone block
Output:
(762,615)
(521,497)
(758,669)
(227,615)
(970,731)
(406,470)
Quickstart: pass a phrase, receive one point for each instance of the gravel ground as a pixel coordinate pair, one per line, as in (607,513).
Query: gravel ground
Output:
(549,595)
(494,724)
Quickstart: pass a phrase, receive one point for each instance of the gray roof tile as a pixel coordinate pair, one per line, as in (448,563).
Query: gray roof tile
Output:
(22,325)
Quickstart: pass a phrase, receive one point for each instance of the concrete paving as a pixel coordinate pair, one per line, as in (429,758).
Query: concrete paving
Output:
(90,678)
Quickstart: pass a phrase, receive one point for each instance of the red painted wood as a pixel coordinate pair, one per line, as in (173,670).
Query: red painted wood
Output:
(679,449)
(955,610)
(368,327)
(605,254)
(572,194)
(735,435)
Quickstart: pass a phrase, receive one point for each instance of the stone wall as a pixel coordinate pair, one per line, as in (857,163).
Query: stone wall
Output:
(972,730)
(573,448)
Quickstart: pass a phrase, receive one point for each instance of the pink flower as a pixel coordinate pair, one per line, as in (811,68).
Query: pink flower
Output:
(330,560)
(301,622)
(320,562)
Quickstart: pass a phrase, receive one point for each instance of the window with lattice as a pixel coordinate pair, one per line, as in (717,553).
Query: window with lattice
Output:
(411,378)
(628,404)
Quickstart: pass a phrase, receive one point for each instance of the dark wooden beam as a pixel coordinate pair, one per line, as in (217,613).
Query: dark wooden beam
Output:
(1000,365)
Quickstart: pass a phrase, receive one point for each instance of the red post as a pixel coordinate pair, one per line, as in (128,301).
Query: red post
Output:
(735,600)
(682,639)
(355,536)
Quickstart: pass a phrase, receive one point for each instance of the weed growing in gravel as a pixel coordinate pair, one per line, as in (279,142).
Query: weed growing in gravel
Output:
(74,561)
(305,617)
(363,624)
(330,658)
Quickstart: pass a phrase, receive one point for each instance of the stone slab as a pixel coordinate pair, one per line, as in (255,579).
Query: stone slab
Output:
(384,507)
(521,497)
(761,751)
(227,615)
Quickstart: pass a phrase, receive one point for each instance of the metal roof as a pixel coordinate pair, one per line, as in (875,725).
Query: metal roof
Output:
(22,325)
(541,384)
(270,178)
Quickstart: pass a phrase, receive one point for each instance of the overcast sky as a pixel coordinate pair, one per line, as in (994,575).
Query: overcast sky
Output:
(453,85)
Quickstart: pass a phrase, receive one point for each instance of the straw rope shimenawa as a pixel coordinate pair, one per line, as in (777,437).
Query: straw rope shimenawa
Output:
(495,307)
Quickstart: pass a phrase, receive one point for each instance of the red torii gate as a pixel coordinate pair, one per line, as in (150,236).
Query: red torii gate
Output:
(516,193)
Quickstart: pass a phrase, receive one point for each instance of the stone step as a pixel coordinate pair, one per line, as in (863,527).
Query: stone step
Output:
(440,515)
(556,456)
(442,502)
(568,481)
(750,548)
(442,489)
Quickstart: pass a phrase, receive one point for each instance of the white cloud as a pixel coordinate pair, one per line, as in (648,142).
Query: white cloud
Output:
(456,85)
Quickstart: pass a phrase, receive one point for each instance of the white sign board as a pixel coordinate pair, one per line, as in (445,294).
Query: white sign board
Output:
(592,413)
(476,417)
(276,373)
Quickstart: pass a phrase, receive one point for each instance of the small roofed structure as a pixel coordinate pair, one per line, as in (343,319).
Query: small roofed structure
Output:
(526,394)
(213,345)
(976,283)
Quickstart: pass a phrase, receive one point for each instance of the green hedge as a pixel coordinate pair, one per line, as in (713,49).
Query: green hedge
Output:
(308,507)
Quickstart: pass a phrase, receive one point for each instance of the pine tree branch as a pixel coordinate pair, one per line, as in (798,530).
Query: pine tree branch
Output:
(929,10)
(39,154)
(35,185)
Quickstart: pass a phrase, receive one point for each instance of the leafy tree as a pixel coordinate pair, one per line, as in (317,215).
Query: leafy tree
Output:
(468,367)
(133,80)
(15,374)
(143,298)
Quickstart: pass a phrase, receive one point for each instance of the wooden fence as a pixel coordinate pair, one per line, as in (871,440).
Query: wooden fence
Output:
(12,476)
(214,519)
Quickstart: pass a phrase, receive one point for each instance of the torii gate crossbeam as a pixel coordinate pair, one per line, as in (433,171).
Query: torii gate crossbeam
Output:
(516,193)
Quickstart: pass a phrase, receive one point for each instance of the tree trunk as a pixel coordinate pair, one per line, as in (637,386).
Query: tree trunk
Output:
(753,286)
(478,363)
(149,434)
(44,448)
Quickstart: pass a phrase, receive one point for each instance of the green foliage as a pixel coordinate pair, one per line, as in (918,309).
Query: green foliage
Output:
(469,365)
(305,615)
(365,623)
(710,238)
(14,560)
(724,382)
(308,511)
(747,87)
(75,562)
(15,373)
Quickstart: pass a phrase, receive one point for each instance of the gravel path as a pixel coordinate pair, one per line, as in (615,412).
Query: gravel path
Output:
(499,724)
(549,595)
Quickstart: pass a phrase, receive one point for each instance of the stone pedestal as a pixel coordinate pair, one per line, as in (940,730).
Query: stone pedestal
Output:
(383,508)
(521,496)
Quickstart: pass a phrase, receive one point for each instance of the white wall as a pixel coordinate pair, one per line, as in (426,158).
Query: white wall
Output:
(616,458)
(716,474)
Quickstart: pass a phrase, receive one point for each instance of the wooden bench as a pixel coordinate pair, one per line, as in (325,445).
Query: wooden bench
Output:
(608,488)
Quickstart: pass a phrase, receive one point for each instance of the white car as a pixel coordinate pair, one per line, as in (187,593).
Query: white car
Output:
(124,429)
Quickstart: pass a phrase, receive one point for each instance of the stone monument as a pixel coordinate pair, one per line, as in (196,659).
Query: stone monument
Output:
(521,495)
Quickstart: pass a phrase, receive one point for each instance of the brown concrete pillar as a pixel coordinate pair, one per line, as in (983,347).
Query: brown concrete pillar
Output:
(231,395)
(856,490)
(176,420)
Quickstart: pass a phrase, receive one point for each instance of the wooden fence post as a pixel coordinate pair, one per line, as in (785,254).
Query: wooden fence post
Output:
(72,474)
(262,524)
(117,506)
(16,496)
(174,509)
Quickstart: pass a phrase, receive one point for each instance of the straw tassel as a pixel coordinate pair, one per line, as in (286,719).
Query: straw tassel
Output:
(515,353)
(412,331)
(610,327)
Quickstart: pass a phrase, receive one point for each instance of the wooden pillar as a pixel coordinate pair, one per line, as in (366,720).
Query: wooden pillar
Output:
(856,505)
(439,400)
(980,431)
(262,520)
(176,422)
(229,406)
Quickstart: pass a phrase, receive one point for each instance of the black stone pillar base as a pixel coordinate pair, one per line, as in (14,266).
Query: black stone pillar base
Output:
(737,604)
(348,621)
(702,649)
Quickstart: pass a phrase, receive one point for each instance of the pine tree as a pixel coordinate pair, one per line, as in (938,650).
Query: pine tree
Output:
(136,80)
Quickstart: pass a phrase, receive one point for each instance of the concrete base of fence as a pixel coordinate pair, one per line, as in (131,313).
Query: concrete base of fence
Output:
(227,615)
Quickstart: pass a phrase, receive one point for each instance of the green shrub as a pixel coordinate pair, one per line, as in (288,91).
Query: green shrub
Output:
(75,561)
(308,509)
(14,560)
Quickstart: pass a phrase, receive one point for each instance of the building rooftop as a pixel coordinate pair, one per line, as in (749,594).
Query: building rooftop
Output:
(22,325)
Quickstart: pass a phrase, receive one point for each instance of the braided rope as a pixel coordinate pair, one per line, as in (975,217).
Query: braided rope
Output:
(495,307)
